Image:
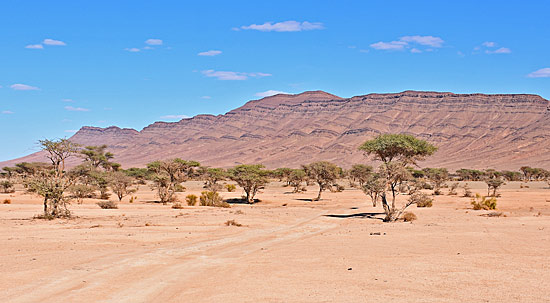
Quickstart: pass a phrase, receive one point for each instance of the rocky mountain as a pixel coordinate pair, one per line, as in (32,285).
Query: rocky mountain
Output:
(471,130)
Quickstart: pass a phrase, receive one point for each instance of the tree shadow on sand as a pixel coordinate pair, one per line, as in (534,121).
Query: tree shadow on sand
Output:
(372,215)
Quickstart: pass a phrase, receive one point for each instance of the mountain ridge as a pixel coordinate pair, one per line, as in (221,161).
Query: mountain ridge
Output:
(501,130)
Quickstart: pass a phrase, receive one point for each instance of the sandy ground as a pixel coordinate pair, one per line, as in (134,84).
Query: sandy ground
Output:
(288,250)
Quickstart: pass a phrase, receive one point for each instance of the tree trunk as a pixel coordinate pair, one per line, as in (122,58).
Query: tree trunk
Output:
(319,195)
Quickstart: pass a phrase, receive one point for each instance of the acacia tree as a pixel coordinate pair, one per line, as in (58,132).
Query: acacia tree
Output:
(494,184)
(438,176)
(97,156)
(373,187)
(323,173)
(396,152)
(296,178)
(212,176)
(120,184)
(250,177)
(168,174)
(51,184)
(360,173)
(57,152)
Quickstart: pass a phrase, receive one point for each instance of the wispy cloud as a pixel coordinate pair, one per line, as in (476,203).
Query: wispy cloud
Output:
(541,73)
(210,53)
(34,46)
(76,109)
(153,42)
(19,86)
(7,112)
(174,117)
(410,42)
(228,75)
(270,93)
(54,42)
(285,26)
(490,47)
(393,45)
(502,50)
(132,49)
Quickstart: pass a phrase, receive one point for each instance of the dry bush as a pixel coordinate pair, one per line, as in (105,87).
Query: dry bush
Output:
(7,186)
(420,199)
(230,187)
(211,198)
(452,189)
(494,214)
(484,203)
(409,216)
(467,191)
(6,201)
(191,200)
(177,205)
(336,188)
(107,204)
(179,188)
(233,223)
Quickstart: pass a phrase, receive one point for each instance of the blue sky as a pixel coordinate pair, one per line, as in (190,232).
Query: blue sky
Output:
(66,64)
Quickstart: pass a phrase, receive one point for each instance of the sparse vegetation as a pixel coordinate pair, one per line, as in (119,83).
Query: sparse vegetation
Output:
(6,201)
(437,176)
(212,198)
(120,184)
(233,223)
(230,187)
(107,204)
(467,190)
(452,189)
(191,200)
(7,186)
(420,199)
(483,203)
(177,205)
(296,178)
(409,216)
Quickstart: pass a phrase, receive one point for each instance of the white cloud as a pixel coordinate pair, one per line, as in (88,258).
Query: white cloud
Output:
(174,117)
(133,49)
(424,40)
(210,53)
(270,93)
(34,46)
(408,42)
(489,44)
(285,26)
(153,41)
(7,112)
(502,50)
(76,109)
(227,75)
(541,73)
(148,47)
(54,42)
(393,45)
(206,97)
(23,87)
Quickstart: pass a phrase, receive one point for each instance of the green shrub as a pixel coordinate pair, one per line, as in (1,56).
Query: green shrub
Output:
(485,203)
(191,200)
(230,187)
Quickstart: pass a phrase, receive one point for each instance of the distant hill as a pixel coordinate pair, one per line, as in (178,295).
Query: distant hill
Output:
(501,131)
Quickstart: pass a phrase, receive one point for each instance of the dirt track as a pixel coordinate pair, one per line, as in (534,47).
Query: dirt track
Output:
(326,251)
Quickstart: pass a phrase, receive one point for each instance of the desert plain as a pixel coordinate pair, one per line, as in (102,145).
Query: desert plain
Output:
(287,249)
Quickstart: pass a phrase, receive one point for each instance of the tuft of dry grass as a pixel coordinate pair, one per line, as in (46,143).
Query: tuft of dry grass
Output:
(107,204)
(191,200)
(409,216)
(232,223)
(6,201)
(177,205)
